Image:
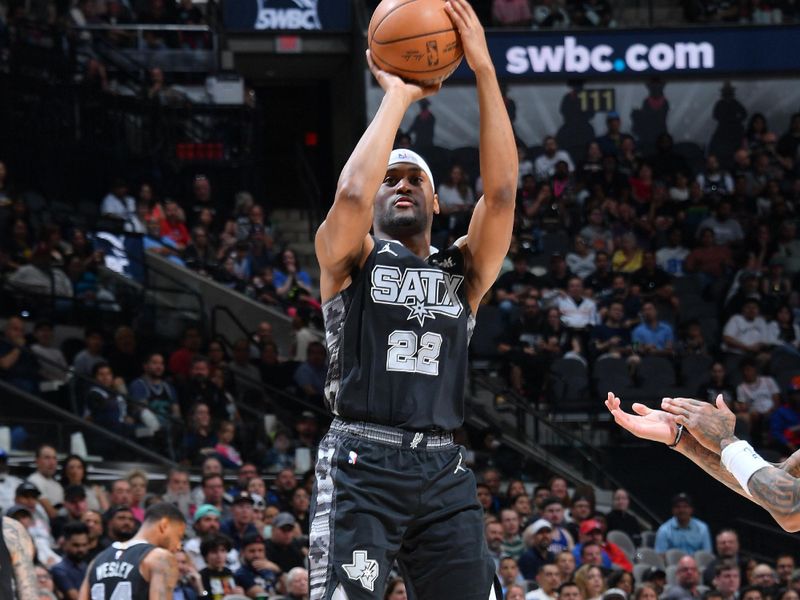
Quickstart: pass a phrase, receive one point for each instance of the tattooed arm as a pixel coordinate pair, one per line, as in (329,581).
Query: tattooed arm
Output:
(20,547)
(163,571)
(775,488)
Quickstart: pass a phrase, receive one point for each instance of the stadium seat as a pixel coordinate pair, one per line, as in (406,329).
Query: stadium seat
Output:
(488,329)
(688,284)
(695,371)
(711,330)
(671,570)
(784,361)
(655,373)
(623,540)
(671,557)
(693,154)
(648,539)
(569,385)
(639,571)
(703,559)
(611,374)
(649,557)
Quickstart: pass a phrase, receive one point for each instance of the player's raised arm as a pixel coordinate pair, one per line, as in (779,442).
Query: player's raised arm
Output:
(492,221)
(340,240)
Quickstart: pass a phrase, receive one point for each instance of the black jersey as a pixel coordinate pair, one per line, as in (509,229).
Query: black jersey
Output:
(115,574)
(398,338)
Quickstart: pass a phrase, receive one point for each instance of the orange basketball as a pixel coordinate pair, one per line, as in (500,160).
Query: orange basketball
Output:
(414,39)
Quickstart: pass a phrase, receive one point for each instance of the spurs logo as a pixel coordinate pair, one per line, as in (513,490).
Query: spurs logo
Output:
(362,569)
(415,442)
(458,466)
(425,293)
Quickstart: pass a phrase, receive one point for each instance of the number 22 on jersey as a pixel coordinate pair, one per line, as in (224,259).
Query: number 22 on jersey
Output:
(410,354)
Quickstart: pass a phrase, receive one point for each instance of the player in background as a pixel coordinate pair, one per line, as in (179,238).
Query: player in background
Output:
(144,567)
(390,482)
(16,562)
(703,432)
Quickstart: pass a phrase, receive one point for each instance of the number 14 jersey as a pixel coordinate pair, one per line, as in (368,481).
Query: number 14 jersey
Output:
(398,340)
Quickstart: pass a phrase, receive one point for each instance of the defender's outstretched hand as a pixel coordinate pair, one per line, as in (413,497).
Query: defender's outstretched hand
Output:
(647,424)
(470,29)
(390,82)
(711,425)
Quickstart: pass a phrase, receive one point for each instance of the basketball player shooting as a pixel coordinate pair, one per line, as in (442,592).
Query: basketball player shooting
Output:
(703,433)
(144,567)
(390,482)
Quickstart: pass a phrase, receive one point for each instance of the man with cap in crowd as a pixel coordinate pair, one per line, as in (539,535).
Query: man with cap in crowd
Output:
(69,573)
(241,522)
(683,531)
(75,504)
(538,536)
(280,547)
(8,483)
(687,578)
(257,576)
(206,522)
(657,577)
(25,512)
(591,530)
(548,579)
(121,525)
(553,511)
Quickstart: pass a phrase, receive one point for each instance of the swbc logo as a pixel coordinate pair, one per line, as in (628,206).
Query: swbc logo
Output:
(571,57)
(280,14)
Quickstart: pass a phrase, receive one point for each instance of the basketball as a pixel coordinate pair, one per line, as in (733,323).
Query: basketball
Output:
(414,39)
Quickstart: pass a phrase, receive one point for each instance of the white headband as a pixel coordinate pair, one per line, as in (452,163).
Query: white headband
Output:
(402,155)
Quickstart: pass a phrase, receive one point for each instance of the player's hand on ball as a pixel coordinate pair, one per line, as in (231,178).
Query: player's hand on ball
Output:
(392,83)
(647,424)
(471,31)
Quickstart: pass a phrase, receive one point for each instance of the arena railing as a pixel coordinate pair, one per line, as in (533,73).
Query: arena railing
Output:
(535,434)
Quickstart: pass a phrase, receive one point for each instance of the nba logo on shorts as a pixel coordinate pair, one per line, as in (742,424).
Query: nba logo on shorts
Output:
(352,458)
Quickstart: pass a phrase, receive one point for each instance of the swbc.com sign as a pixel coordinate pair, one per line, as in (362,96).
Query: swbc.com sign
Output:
(535,55)
(287,15)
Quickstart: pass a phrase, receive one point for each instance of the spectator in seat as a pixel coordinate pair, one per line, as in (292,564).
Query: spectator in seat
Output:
(757,397)
(121,525)
(591,531)
(17,246)
(548,578)
(206,522)
(601,279)
(692,342)
(619,518)
(612,338)
(687,578)
(784,567)
(650,278)
(257,575)
(581,261)
(784,332)
(280,547)
(224,449)
(521,346)
(41,277)
(53,364)
(68,574)
(784,423)
(154,392)
(511,13)
(8,483)
(118,204)
(549,14)
(537,538)
(611,140)
(178,491)
(200,255)
(174,227)
(596,234)
(274,372)
(292,284)
(747,333)
(727,549)
(628,258)
(240,525)
(672,257)
(180,361)
(513,544)
(714,181)
(590,582)
(727,230)
(557,275)
(666,162)
(683,531)
(200,437)
(218,579)
(710,260)
(87,359)
(18,364)
(545,165)
(577,312)
(107,407)
(73,473)
(727,579)
(52,494)
(653,337)
(508,573)
(553,511)
(310,375)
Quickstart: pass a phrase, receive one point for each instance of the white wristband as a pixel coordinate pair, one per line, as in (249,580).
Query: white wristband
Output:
(742,462)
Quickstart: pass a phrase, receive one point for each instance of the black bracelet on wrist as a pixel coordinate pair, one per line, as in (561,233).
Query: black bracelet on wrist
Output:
(678,434)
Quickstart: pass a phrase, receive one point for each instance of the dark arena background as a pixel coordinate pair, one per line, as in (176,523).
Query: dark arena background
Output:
(164,167)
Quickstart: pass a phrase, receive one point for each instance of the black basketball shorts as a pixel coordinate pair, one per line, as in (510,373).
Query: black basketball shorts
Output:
(383,494)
